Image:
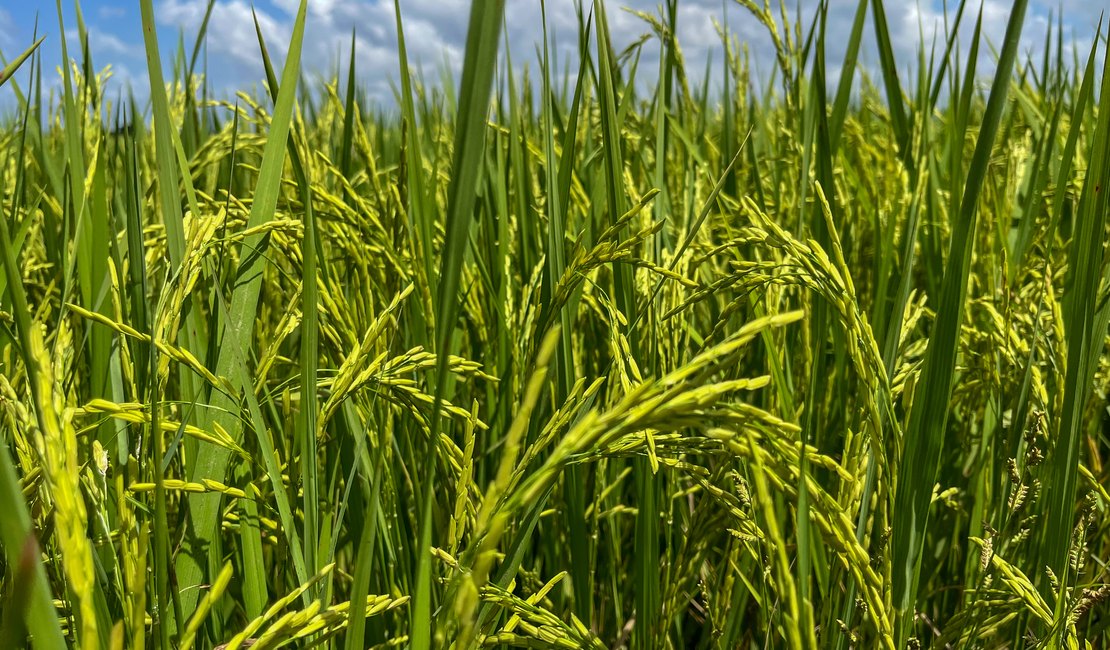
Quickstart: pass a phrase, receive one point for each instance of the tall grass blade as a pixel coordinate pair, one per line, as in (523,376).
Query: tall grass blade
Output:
(926,432)
(1086,316)
(483,37)
(211,461)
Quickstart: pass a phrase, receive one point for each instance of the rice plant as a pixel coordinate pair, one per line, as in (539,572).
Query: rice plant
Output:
(623,356)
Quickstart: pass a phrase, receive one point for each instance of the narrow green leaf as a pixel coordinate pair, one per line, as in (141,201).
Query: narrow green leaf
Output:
(211,461)
(15,64)
(926,432)
(474,99)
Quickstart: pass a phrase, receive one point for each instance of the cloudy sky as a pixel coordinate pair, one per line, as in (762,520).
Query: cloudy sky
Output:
(436,30)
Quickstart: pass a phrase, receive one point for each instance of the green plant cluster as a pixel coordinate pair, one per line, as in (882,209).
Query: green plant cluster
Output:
(561,359)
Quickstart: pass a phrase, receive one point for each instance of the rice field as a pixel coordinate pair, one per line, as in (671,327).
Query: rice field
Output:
(624,354)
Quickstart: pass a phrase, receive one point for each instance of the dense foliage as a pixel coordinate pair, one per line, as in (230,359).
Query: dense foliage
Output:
(592,362)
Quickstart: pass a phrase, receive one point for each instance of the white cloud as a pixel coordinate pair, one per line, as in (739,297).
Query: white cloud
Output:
(235,62)
(435,32)
(111,12)
(103,45)
(7,37)
(231,34)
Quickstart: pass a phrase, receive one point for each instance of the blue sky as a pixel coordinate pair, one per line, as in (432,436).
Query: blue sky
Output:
(435,31)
